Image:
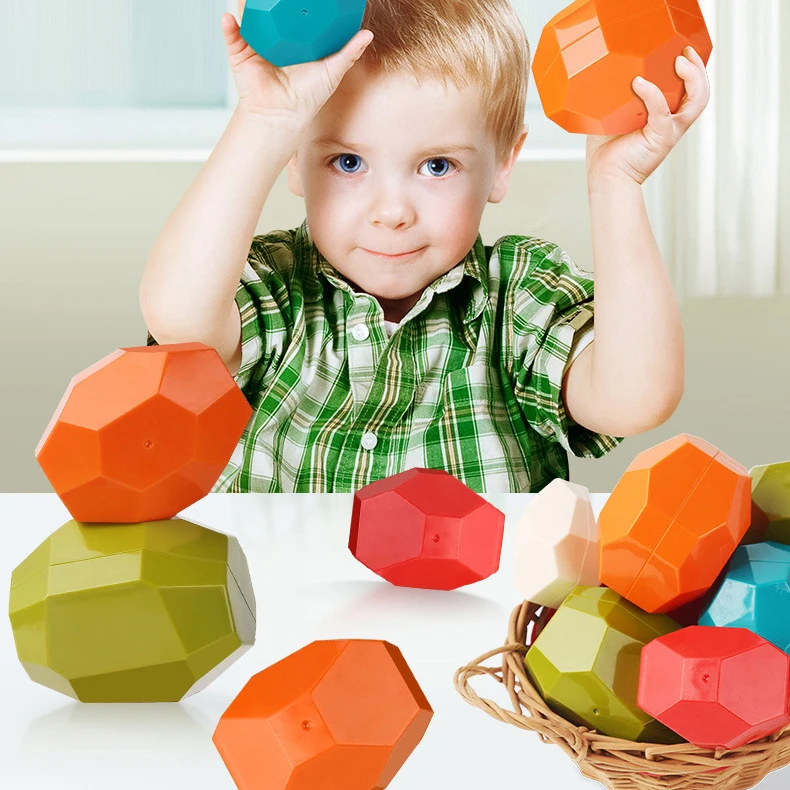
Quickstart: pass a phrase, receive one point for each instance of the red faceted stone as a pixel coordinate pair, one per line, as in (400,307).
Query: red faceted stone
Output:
(335,714)
(143,433)
(717,687)
(425,528)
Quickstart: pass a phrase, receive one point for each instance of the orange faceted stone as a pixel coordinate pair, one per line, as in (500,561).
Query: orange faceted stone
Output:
(589,54)
(143,433)
(337,713)
(672,522)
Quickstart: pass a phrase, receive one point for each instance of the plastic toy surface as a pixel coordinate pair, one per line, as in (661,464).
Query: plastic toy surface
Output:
(335,714)
(672,522)
(149,612)
(585,663)
(556,544)
(286,32)
(143,433)
(771,493)
(758,527)
(754,593)
(589,54)
(425,528)
(717,687)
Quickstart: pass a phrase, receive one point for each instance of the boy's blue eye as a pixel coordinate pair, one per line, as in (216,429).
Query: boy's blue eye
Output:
(349,163)
(438,166)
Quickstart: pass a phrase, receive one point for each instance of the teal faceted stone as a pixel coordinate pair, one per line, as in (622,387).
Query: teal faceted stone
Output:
(755,593)
(286,32)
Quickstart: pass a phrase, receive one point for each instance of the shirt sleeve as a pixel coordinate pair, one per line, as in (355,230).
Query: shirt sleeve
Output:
(262,298)
(553,318)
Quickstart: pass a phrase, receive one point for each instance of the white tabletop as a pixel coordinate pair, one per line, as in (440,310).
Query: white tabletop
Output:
(308,586)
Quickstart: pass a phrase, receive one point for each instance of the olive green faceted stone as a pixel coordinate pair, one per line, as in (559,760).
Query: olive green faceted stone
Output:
(771,493)
(146,612)
(585,663)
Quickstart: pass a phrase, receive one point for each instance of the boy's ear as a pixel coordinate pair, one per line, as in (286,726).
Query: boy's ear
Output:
(499,188)
(294,181)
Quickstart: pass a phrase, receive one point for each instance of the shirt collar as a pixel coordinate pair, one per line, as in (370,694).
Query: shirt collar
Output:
(473,266)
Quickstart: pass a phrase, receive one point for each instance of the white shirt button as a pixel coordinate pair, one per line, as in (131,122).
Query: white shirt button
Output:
(360,332)
(369,440)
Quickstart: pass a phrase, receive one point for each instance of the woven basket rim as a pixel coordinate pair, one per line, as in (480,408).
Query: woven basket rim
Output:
(584,745)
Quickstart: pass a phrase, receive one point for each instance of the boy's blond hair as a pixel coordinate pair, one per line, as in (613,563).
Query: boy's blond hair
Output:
(479,42)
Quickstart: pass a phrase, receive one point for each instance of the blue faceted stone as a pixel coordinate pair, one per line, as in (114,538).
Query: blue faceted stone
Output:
(286,32)
(755,593)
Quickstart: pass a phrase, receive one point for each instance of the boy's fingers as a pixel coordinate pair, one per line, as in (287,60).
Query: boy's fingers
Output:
(339,63)
(233,40)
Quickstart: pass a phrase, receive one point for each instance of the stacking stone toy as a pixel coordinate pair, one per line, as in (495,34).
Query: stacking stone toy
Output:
(286,32)
(771,493)
(757,528)
(754,593)
(672,522)
(335,714)
(148,612)
(143,433)
(585,663)
(719,688)
(589,54)
(556,544)
(425,528)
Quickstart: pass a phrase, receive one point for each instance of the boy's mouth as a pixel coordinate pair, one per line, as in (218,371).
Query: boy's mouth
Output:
(395,255)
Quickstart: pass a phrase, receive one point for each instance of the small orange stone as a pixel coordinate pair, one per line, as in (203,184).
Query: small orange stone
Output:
(589,54)
(337,713)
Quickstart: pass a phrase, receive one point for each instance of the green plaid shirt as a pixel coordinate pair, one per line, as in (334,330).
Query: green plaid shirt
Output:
(469,382)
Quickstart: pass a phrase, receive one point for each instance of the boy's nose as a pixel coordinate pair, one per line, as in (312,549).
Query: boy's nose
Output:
(391,207)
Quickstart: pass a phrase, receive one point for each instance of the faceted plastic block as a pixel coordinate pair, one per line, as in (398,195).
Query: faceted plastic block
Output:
(719,688)
(758,527)
(556,544)
(286,32)
(771,493)
(589,54)
(672,522)
(149,612)
(143,433)
(689,613)
(585,663)
(335,714)
(754,593)
(425,528)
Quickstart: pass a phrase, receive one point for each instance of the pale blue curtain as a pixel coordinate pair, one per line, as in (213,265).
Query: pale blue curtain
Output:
(112,53)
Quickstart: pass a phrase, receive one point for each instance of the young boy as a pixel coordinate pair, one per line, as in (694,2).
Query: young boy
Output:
(382,334)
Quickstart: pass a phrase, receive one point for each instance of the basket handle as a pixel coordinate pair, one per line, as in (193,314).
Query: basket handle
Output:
(512,666)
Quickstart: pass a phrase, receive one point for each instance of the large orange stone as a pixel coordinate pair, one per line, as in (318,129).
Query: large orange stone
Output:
(590,52)
(335,714)
(672,522)
(143,433)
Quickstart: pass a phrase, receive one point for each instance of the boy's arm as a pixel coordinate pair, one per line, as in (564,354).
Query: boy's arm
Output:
(194,268)
(630,379)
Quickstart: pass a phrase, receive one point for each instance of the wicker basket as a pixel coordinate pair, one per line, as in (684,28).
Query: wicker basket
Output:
(617,763)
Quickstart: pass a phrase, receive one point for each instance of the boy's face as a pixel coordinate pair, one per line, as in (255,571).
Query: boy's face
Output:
(390,182)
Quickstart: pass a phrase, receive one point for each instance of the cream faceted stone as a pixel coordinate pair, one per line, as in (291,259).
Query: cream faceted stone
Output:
(556,544)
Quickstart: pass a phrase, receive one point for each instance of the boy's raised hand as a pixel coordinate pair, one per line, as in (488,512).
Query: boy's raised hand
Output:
(636,155)
(292,95)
